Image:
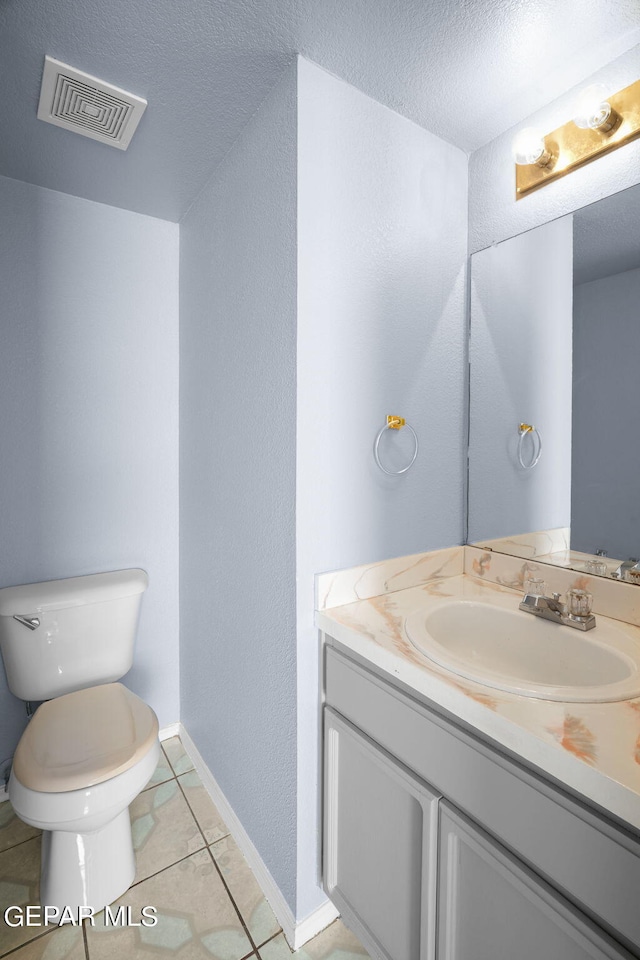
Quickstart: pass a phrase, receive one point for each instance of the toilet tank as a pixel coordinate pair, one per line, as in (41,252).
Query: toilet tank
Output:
(64,635)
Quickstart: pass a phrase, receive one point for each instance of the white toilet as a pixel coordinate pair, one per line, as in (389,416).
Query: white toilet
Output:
(92,747)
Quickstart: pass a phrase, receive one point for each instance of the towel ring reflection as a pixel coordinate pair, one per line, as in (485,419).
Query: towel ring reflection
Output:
(523,430)
(395,423)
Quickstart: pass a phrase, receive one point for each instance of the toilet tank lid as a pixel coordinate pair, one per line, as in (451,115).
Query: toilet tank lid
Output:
(72,592)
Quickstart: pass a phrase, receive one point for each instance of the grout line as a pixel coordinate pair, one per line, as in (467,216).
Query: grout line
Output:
(182,772)
(166,756)
(172,774)
(208,843)
(161,870)
(235,905)
(273,937)
(158,784)
(181,859)
(85,940)
(217,868)
(218,839)
(168,867)
(209,846)
(184,797)
(225,836)
(19,844)
(28,943)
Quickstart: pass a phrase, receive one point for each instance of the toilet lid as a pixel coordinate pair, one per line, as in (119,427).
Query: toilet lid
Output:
(84,738)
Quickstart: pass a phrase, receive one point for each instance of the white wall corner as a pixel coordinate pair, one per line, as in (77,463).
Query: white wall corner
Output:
(297,933)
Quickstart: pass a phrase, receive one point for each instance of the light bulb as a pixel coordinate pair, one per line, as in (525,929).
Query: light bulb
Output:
(592,108)
(529,147)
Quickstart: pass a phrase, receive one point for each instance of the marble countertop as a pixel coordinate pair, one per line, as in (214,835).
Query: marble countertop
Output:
(592,748)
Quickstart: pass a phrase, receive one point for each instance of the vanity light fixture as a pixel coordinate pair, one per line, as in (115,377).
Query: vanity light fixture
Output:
(601,124)
(593,110)
(529,147)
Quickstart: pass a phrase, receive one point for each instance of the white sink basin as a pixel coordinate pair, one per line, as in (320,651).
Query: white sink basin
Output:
(518,652)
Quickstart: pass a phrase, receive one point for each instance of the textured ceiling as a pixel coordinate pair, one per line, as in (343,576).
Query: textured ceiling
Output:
(464,69)
(606,237)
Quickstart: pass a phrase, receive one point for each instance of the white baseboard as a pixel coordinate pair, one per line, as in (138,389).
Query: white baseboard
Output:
(171,730)
(312,925)
(296,933)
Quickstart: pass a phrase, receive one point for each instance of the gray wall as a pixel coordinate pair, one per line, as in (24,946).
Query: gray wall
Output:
(605,508)
(89,428)
(378,326)
(520,352)
(494,213)
(382,229)
(237,415)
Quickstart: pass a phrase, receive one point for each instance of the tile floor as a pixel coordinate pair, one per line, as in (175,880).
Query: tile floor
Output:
(209,905)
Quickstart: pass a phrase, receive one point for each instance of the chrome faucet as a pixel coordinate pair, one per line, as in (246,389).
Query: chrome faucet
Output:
(626,567)
(576,613)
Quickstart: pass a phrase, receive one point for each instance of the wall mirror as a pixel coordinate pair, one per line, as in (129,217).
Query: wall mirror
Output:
(555,345)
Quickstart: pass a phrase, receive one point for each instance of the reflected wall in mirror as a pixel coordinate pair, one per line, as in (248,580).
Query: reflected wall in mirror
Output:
(555,343)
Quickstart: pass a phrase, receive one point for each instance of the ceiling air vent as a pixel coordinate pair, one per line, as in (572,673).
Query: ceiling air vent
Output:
(77,101)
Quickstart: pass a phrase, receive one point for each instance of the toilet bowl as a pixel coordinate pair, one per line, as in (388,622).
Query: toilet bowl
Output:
(88,751)
(82,760)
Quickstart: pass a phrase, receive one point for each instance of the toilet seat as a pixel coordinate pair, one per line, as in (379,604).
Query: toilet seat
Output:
(86,809)
(84,738)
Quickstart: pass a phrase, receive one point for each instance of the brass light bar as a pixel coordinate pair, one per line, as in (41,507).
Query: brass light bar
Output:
(571,147)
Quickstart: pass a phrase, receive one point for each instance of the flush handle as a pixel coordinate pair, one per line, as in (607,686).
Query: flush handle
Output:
(32,622)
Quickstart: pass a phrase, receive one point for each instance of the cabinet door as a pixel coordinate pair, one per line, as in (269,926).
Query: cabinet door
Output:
(380,835)
(492,907)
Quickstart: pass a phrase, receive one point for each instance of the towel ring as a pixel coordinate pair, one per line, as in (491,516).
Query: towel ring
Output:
(395,423)
(523,430)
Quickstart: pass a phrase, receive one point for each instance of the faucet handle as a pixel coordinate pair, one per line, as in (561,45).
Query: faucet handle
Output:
(534,586)
(579,602)
(556,597)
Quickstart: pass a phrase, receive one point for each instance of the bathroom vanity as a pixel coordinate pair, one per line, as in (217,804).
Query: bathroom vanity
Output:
(465,821)
(470,823)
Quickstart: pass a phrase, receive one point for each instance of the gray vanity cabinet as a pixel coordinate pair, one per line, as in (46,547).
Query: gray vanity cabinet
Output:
(380,845)
(490,907)
(438,847)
